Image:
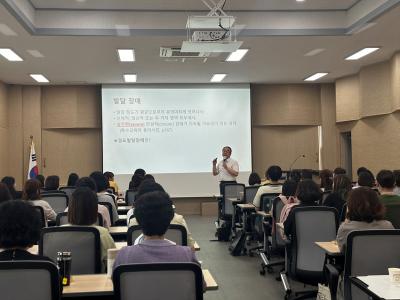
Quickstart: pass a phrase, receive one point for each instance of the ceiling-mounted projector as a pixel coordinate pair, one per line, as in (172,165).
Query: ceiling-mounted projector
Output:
(214,32)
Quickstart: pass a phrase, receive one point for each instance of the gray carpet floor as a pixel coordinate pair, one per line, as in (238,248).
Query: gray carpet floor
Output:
(237,277)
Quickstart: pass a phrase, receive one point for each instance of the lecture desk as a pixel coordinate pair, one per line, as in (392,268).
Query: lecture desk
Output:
(377,286)
(101,285)
(331,248)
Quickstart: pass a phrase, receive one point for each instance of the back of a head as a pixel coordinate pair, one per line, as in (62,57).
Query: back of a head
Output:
(339,171)
(306,174)
(289,188)
(100,180)
(82,207)
(361,169)
(342,185)
(109,175)
(274,173)
(72,179)
(148,186)
(308,192)
(140,172)
(386,179)
(41,180)
(366,179)
(149,177)
(154,213)
(31,190)
(9,181)
(5,194)
(363,205)
(87,182)
(20,224)
(396,174)
(52,183)
(326,176)
(135,182)
(254,178)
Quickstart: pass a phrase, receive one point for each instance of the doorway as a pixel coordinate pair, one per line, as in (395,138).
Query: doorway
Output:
(346,153)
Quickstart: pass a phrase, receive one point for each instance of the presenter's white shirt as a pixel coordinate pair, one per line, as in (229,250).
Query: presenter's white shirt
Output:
(223,174)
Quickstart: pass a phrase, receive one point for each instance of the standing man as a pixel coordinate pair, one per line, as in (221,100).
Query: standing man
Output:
(227,169)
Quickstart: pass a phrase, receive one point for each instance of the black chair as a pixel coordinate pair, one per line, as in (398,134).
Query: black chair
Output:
(57,201)
(33,280)
(343,213)
(130,197)
(266,201)
(178,281)
(62,219)
(175,233)
(82,241)
(43,221)
(110,210)
(383,252)
(249,193)
(304,259)
(68,190)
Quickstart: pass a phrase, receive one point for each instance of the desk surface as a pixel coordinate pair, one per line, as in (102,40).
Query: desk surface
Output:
(331,248)
(246,206)
(380,286)
(100,284)
(263,213)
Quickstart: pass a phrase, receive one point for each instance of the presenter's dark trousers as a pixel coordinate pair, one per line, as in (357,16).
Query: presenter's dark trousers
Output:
(222,185)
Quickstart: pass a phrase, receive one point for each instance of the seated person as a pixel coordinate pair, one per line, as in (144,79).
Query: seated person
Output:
(103,195)
(365,179)
(273,174)
(111,182)
(32,193)
(364,211)
(288,199)
(396,189)
(72,179)
(386,182)
(341,188)
(82,211)
(20,227)
(326,176)
(308,193)
(154,213)
(151,186)
(339,171)
(10,182)
(5,194)
(254,179)
(41,180)
(51,184)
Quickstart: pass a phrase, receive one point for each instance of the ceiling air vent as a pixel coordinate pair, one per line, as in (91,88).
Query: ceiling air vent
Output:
(170,52)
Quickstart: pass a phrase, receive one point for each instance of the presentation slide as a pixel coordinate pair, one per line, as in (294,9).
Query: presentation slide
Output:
(174,133)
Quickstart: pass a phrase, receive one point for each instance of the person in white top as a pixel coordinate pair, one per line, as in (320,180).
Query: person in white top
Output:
(274,174)
(227,169)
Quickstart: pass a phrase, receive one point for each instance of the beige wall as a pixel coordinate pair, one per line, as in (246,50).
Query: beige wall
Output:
(347,99)
(3,130)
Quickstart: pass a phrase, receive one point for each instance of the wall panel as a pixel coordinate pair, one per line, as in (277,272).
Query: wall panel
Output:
(395,72)
(3,106)
(347,99)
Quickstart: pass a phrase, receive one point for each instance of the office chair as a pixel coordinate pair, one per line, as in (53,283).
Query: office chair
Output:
(304,259)
(249,193)
(68,190)
(178,281)
(57,201)
(82,241)
(175,233)
(110,210)
(43,220)
(130,197)
(383,252)
(33,280)
(62,219)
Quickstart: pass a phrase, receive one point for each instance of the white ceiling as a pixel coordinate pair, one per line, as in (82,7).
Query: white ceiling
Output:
(194,4)
(271,59)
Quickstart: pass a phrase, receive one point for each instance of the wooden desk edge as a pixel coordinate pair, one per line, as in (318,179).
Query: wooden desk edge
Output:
(329,247)
(210,281)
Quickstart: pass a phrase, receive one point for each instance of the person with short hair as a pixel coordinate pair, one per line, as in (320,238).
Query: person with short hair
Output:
(227,169)
(365,179)
(5,194)
(154,213)
(82,211)
(72,179)
(364,212)
(396,189)
(308,193)
(149,186)
(273,174)
(52,183)
(20,226)
(10,182)
(32,193)
(386,182)
(111,181)
(140,172)
(339,171)
(326,176)
(149,177)
(254,179)
(135,182)
(341,188)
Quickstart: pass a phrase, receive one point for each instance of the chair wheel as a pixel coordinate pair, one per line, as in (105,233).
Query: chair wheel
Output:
(262,272)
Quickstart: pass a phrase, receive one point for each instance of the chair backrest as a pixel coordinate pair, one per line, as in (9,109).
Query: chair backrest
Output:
(393,214)
(325,195)
(130,197)
(43,220)
(178,281)
(57,201)
(176,233)
(33,280)
(82,241)
(62,219)
(249,193)
(232,191)
(110,210)
(68,190)
(277,241)
(266,201)
(311,224)
(369,252)
(342,215)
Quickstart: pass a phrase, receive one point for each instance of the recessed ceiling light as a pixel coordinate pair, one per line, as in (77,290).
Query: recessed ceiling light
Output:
(10,55)
(35,53)
(4,29)
(130,77)
(300,0)
(217,77)
(39,78)
(237,55)
(126,55)
(316,76)
(314,52)
(362,53)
